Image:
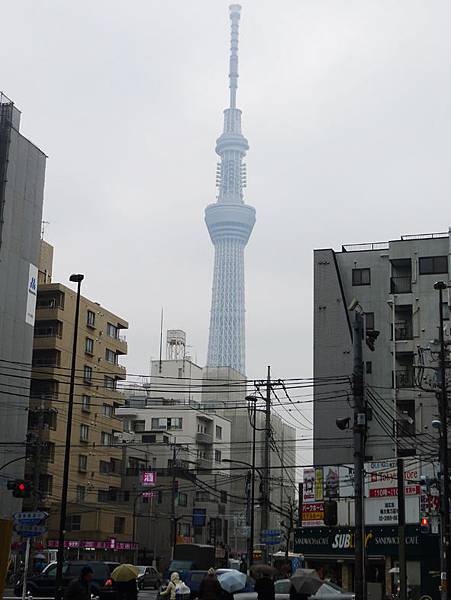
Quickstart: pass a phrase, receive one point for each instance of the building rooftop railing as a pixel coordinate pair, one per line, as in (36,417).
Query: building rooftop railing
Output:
(366,247)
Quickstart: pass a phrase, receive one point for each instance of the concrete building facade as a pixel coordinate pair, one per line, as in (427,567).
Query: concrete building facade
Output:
(98,508)
(394,284)
(167,430)
(22,173)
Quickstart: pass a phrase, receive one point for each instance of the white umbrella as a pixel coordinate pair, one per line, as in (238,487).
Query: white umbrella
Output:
(232,581)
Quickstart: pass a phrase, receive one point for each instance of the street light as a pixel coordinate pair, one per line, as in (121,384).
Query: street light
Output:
(76,278)
(442,397)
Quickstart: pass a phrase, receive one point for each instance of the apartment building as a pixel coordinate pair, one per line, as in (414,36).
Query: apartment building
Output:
(168,432)
(22,174)
(393,283)
(99,521)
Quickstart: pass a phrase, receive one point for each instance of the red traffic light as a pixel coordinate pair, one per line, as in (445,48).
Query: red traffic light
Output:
(425,525)
(21,486)
(424,521)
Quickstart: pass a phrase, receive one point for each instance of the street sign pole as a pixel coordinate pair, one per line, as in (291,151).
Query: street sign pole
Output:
(25,574)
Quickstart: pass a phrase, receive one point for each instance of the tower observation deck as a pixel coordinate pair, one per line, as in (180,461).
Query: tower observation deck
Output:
(230,222)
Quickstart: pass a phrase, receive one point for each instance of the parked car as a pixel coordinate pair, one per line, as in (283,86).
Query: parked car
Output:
(328,591)
(44,584)
(149,577)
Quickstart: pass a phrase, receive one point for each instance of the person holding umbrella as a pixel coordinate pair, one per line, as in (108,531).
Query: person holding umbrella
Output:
(125,578)
(231,582)
(264,585)
(304,583)
(209,586)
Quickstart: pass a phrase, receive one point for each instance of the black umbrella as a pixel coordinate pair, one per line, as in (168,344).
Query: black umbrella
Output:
(306,581)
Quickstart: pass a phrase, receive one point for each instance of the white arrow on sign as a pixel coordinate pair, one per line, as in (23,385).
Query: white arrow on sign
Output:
(30,518)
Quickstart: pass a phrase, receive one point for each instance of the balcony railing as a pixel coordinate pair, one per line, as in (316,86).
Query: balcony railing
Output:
(401,285)
(403,330)
(204,438)
(405,378)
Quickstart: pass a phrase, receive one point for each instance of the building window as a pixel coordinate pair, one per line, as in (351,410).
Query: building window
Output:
(182,499)
(159,497)
(139,426)
(73,523)
(148,439)
(218,432)
(369,321)
(110,383)
(223,497)
(218,456)
(361,276)
(202,496)
(107,410)
(89,346)
(103,496)
(104,467)
(163,424)
(184,529)
(80,493)
(48,452)
(110,356)
(430,265)
(87,374)
(85,403)
(90,318)
(84,433)
(106,439)
(46,484)
(112,331)
(119,524)
(369,367)
(82,463)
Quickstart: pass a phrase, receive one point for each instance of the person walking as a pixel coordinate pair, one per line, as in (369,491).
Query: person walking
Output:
(171,589)
(80,589)
(209,588)
(127,590)
(264,586)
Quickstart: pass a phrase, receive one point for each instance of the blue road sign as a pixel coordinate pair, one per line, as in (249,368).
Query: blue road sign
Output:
(30,531)
(30,518)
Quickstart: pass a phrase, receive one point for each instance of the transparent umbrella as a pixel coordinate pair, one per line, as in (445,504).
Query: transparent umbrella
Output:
(232,581)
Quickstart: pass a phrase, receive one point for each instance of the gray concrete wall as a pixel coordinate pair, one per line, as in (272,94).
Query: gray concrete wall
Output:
(333,345)
(19,248)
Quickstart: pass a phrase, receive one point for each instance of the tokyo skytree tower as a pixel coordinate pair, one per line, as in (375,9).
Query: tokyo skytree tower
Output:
(230,222)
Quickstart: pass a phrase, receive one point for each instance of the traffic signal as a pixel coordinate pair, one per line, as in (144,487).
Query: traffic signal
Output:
(425,526)
(371,337)
(21,488)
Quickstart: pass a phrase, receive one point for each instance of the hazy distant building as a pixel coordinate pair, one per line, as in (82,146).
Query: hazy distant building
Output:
(394,284)
(163,420)
(22,173)
(230,222)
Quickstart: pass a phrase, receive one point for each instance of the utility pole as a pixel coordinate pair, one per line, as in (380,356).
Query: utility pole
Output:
(401,531)
(252,533)
(173,496)
(359,454)
(444,462)
(266,461)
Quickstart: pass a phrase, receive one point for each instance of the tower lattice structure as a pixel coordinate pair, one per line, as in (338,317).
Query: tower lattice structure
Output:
(230,222)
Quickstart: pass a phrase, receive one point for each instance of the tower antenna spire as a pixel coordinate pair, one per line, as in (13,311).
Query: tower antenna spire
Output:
(235,11)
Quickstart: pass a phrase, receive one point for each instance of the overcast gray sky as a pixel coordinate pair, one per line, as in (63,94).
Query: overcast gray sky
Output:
(347,108)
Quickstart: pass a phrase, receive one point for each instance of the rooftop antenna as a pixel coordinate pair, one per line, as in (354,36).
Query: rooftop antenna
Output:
(235,10)
(161,339)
